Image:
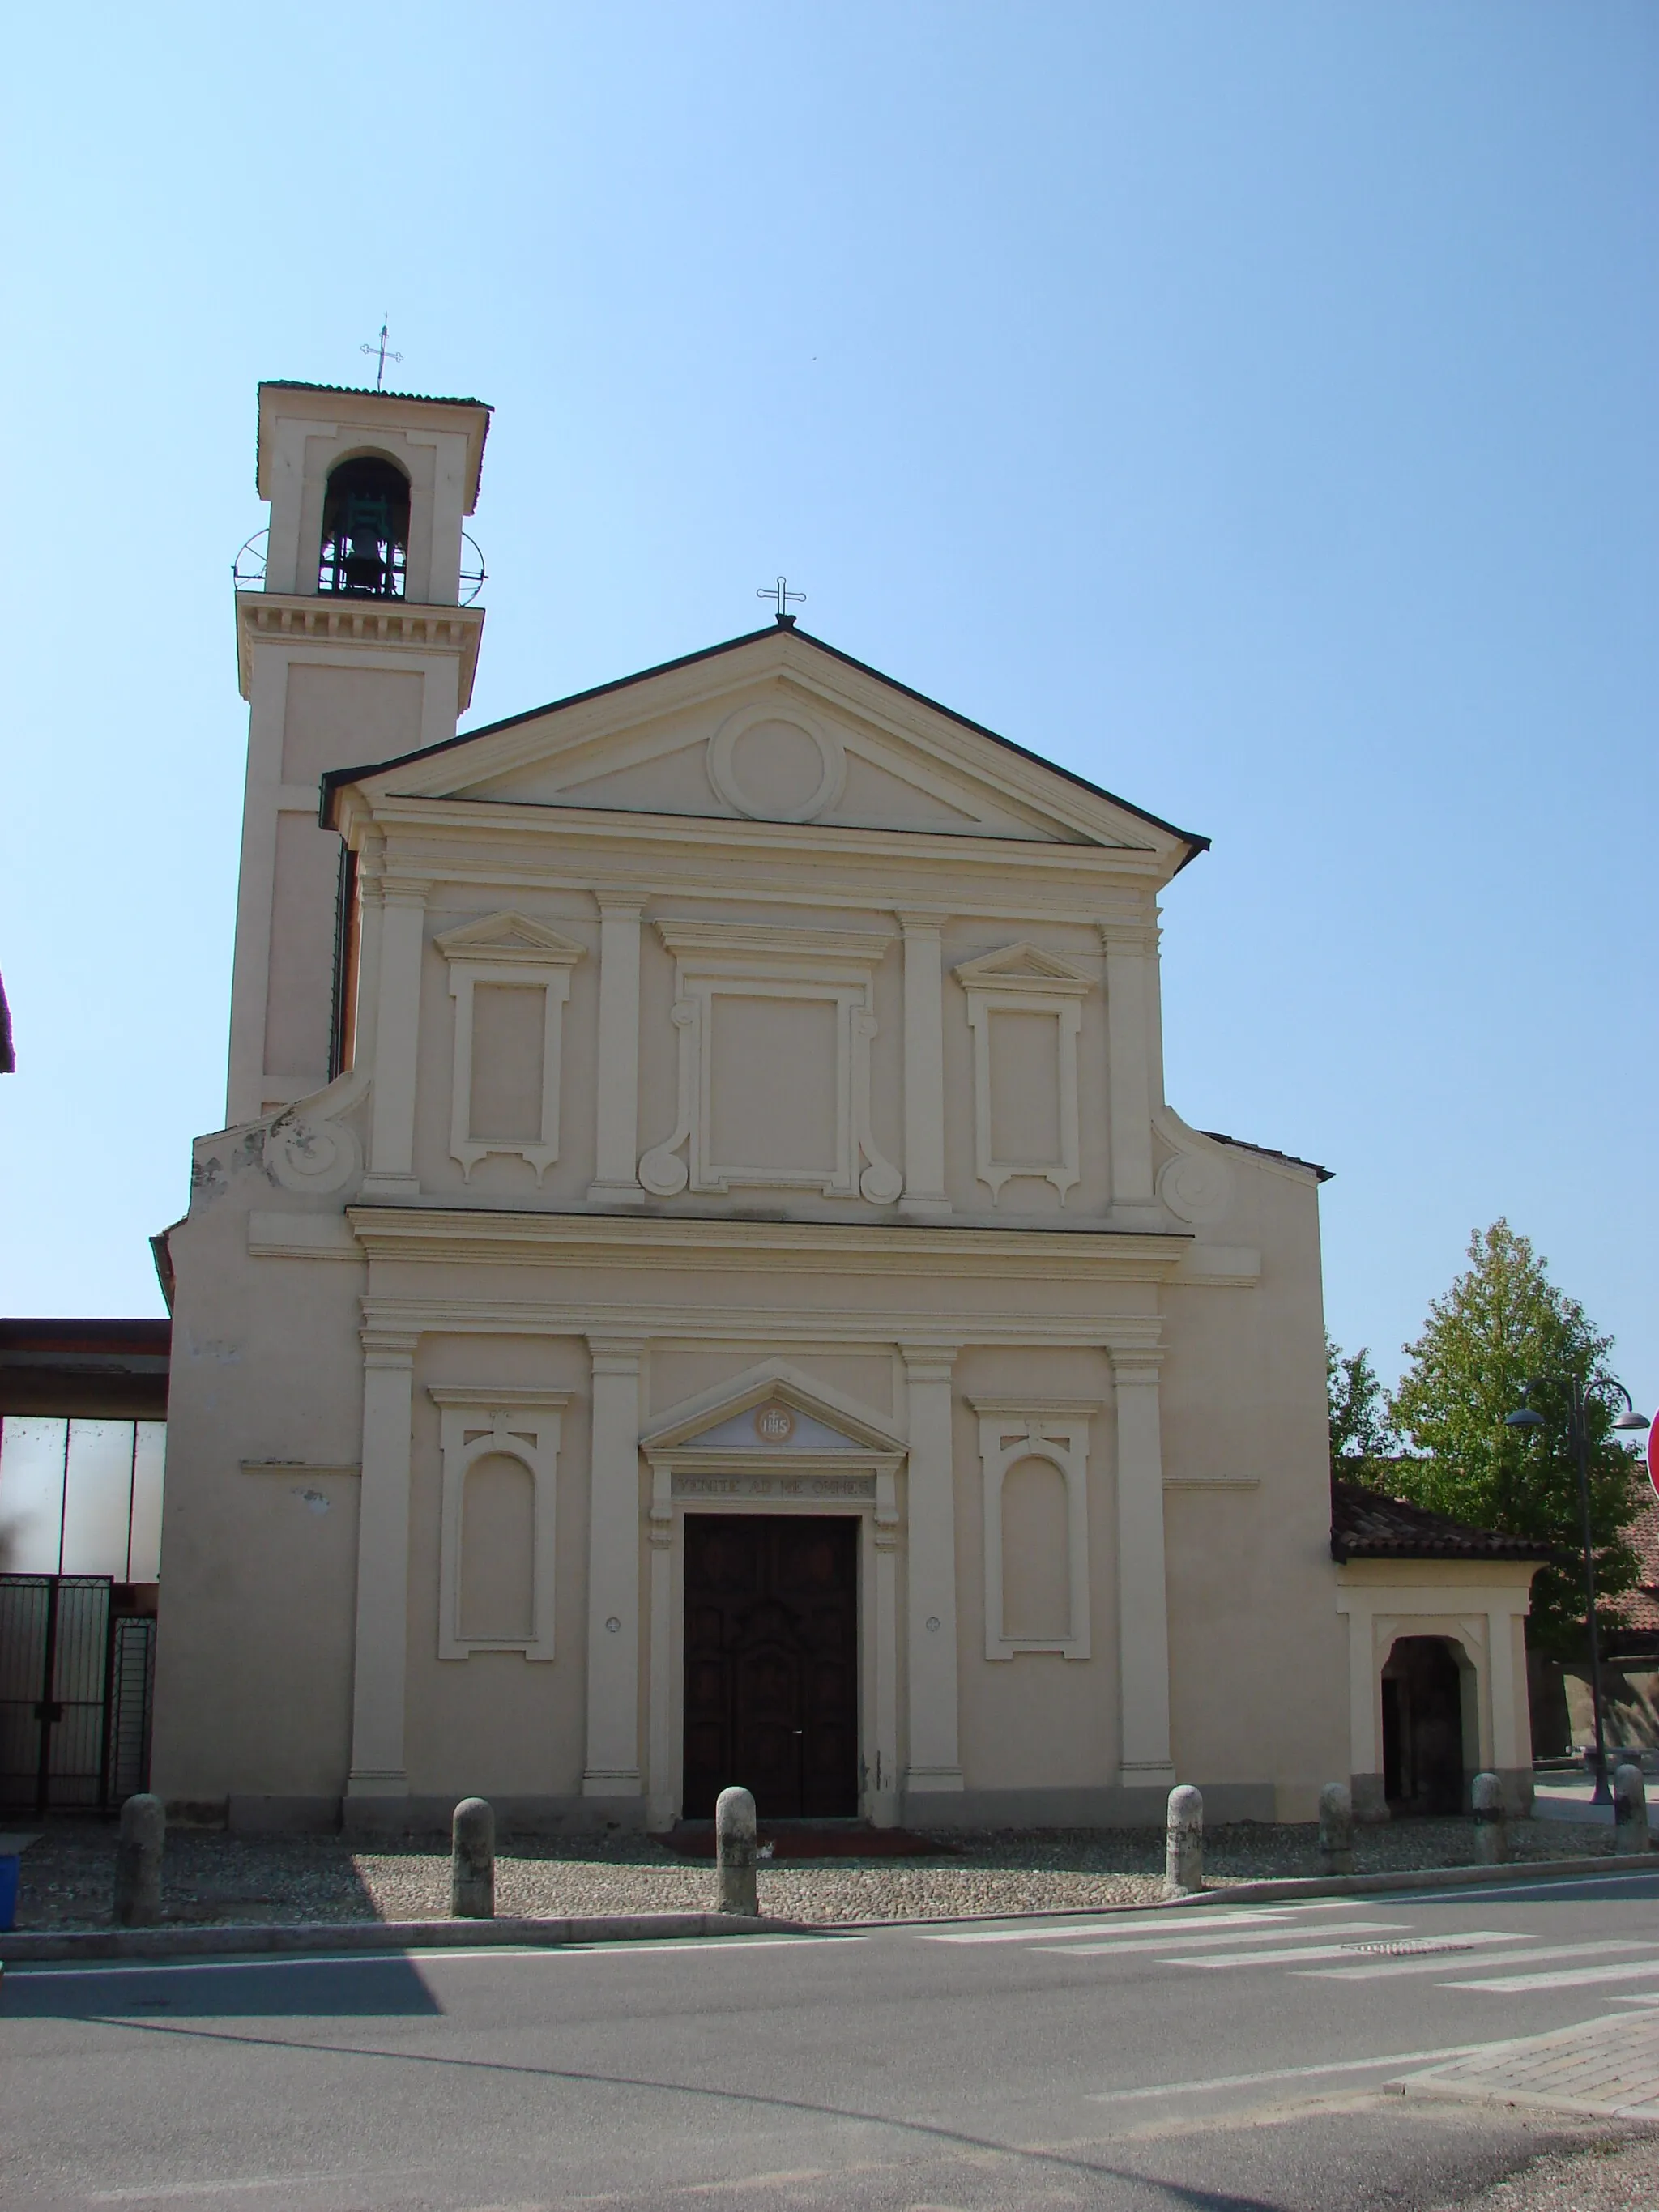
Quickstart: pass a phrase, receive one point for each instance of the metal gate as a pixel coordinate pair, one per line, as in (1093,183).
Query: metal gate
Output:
(74,1694)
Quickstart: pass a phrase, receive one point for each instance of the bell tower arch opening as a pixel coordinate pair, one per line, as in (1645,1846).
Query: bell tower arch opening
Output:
(365,545)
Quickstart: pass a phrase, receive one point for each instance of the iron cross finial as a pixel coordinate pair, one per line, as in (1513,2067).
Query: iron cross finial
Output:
(780,592)
(381,355)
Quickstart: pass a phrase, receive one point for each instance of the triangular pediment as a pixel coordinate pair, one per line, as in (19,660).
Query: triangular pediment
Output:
(509,937)
(777,727)
(1026,965)
(772,1407)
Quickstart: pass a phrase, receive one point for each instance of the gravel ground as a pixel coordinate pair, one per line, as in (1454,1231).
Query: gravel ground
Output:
(1616,2176)
(212,1877)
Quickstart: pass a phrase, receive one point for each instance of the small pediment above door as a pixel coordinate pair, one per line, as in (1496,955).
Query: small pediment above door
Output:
(771,1408)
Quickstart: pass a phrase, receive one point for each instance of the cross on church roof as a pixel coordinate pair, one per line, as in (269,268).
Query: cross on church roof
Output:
(381,355)
(780,590)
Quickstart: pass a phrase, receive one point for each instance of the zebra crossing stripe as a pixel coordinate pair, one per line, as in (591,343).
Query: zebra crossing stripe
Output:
(1138,1926)
(1196,1939)
(1384,1969)
(1582,1978)
(1470,1941)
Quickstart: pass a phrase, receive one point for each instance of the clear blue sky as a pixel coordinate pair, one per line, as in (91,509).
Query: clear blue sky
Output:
(1250,406)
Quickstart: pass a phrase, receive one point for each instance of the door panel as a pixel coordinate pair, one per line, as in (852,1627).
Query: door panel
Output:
(771,1663)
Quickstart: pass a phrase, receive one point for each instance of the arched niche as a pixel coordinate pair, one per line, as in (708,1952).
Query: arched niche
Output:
(365,542)
(497,1548)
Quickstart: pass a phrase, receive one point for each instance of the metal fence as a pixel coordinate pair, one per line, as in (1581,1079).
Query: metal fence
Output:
(74,1694)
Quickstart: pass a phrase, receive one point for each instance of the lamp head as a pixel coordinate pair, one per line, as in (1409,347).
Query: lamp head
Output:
(1632,1420)
(1525,1418)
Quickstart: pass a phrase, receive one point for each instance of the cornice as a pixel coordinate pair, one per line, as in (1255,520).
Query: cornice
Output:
(385,625)
(466,823)
(438,1235)
(665,1327)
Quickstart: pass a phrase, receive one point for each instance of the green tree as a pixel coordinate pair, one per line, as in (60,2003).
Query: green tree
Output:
(1502,1325)
(1362,1435)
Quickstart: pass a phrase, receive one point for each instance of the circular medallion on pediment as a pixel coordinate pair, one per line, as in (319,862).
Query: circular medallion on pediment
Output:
(774,1424)
(777,765)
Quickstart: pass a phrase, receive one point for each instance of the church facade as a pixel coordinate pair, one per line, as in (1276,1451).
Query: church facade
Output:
(702,1283)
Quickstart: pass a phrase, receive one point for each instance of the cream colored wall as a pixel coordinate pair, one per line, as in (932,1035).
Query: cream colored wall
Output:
(1255,1645)
(1037,1720)
(1193,1328)
(513,1724)
(254,1652)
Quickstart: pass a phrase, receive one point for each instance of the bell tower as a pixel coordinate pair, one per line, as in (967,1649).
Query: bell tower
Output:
(356,647)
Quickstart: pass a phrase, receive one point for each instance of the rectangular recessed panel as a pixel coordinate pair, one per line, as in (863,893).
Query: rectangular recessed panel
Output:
(509,1036)
(773,1085)
(1025,1088)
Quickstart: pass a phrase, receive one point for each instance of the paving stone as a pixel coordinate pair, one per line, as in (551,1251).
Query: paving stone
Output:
(1609,2067)
(211,1877)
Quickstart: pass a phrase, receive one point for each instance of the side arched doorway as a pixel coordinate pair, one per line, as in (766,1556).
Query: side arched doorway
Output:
(1423,1697)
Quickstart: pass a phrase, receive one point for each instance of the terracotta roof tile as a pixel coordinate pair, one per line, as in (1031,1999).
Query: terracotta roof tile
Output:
(1366,1525)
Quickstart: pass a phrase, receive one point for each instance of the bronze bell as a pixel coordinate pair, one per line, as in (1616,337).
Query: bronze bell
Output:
(364,569)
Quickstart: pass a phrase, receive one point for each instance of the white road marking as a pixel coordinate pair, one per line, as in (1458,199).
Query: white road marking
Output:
(413,1955)
(1288,2073)
(1475,1936)
(1138,1926)
(1382,1971)
(1196,1940)
(1492,1893)
(1581,1979)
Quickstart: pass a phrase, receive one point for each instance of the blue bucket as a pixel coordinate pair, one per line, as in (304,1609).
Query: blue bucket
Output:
(9,1892)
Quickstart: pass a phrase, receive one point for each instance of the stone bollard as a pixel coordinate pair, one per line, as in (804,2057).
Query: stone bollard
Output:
(1336,1828)
(734,1852)
(472,1861)
(1183,1860)
(1629,1810)
(139,1863)
(1491,1831)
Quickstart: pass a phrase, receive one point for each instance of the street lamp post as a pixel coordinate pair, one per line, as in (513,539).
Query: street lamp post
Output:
(1578,1437)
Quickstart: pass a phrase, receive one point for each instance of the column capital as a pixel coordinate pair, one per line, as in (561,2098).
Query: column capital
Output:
(930,1362)
(389,1347)
(917,921)
(1134,1363)
(616,1355)
(1131,937)
(624,904)
(399,890)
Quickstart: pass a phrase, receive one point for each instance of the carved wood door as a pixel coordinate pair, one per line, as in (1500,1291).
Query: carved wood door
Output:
(771,1663)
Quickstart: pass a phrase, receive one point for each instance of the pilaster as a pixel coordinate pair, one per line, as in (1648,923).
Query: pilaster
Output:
(1131,952)
(617,1181)
(925,1197)
(612,1768)
(934,1761)
(1144,1760)
(381,1650)
(396,1038)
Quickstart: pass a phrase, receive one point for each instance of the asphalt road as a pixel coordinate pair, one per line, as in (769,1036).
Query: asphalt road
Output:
(1210,2060)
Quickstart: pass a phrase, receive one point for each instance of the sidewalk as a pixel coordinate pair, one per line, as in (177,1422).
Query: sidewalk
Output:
(1607,2067)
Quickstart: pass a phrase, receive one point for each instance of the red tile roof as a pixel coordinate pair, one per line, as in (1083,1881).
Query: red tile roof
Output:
(1366,1525)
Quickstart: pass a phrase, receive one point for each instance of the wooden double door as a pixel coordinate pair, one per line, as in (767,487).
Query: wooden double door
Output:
(771,1663)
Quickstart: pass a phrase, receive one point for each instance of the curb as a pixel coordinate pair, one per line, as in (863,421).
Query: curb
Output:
(20,1945)
(24,1944)
(1524,2099)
